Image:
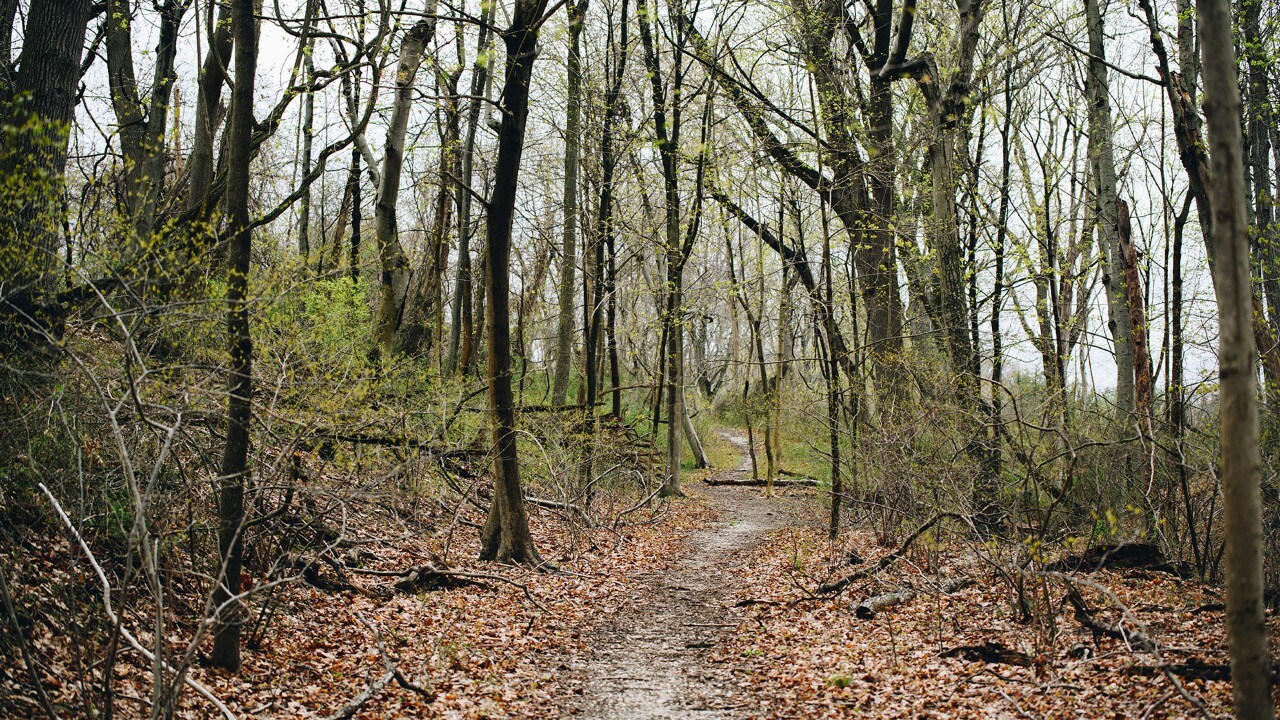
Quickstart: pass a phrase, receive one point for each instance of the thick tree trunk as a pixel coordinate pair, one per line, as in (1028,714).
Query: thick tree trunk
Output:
(1237,357)
(1102,135)
(33,157)
(394,264)
(235,459)
(505,536)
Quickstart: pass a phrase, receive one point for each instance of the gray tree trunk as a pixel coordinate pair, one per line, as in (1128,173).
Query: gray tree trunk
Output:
(308,134)
(1100,128)
(1237,357)
(208,99)
(462,327)
(394,263)
(569,258)
(142,123)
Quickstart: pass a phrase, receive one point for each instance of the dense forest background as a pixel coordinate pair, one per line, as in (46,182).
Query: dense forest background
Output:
(353,297)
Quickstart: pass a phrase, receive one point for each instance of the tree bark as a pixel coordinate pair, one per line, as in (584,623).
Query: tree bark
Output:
(1102,134)
(208,102)
(394,264)
(463,323)
(569,256)
(142,123)
(1237,373)
(33,157)
(668,149)
(421,330)
(505,536)
(308,134)
(235,459)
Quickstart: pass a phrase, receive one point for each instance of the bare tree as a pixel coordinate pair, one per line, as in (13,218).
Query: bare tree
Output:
(569,254)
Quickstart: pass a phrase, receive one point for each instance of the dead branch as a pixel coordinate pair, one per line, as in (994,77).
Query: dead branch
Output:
(1135,639)
(835,586)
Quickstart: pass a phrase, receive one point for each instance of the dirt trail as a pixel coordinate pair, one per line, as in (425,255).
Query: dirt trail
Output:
(651,661)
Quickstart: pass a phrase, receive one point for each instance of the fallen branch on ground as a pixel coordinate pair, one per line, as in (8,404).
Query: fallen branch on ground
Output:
(435,576)
(805,482)
(835,586)
(868,608)
(1135,639)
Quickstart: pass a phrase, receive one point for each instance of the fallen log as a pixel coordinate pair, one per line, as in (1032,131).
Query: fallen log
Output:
(797,482)
(990,651)
(868,608)
(1120,556)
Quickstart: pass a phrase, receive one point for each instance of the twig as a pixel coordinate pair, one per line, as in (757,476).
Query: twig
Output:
(194,684)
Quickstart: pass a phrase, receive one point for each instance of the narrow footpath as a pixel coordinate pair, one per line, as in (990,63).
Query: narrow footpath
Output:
(652,661)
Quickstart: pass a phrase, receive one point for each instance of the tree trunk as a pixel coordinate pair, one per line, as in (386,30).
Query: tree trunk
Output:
(604,221)
(208,101)
(33,157)
(668,148)
(505,536)
(463,323)
(569,256)
(1142,382)
(394,264)
(1101,133)
(142,123)
(1237,373)
(235,459)
(1260,116)
(420,332)
(308,134)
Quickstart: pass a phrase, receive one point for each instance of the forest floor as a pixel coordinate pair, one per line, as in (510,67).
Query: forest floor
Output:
(708,610)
